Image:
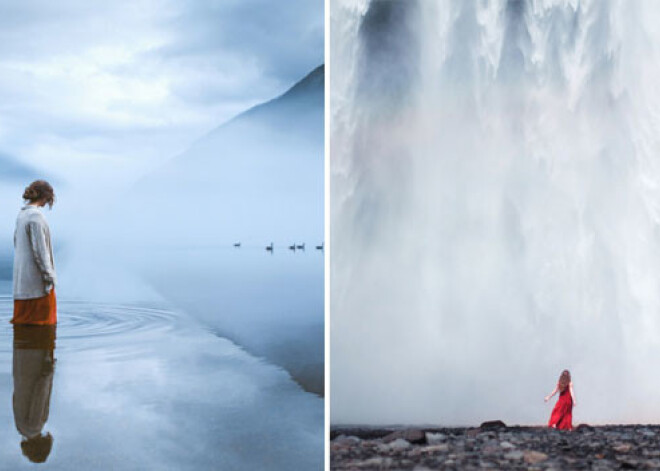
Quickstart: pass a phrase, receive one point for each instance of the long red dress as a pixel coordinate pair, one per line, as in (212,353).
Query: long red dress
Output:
(562,414)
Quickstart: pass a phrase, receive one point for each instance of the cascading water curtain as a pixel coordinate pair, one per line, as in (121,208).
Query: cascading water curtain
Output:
(495,209)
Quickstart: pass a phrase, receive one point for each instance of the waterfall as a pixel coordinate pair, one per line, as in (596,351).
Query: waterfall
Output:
(495,209)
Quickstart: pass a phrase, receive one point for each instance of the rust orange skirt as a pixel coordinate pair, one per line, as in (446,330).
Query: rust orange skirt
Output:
(39,311)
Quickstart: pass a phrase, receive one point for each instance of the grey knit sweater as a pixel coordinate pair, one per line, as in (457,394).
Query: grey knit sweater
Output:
(34,266)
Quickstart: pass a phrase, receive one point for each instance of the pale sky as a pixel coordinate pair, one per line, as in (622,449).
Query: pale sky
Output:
(109,89)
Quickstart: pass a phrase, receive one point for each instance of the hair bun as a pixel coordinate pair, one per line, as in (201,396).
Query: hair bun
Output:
(39,190)
(30,193)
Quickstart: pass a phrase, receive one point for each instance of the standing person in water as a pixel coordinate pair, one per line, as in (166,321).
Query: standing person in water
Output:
(34,267)
(562,414)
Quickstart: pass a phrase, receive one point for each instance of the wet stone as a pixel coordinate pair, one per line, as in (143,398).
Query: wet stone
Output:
(346,440)
(622,448)
(539,448)
(514,455)
(409,435)
(533,457)
(473,432)
(433,438)
(399,444)
(440,448)
(492,424)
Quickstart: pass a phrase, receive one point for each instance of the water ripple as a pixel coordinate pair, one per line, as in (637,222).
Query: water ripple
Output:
(83,324)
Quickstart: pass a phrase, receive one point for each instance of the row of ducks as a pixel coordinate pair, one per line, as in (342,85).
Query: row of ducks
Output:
(293,247)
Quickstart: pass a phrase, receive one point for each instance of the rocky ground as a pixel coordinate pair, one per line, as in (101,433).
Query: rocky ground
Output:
(494,445)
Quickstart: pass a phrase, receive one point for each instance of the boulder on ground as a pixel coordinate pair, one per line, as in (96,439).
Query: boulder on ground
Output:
(584,428)
(533,457)
(492,425)
(410,435)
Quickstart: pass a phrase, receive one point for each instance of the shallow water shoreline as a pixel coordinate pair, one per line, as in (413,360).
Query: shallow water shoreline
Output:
(496,446)
(271,305)
(144,386)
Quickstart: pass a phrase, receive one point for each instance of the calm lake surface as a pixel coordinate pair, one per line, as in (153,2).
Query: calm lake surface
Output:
(269,303)
(223,372)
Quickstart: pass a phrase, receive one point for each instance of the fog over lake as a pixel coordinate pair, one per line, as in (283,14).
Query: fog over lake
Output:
(167,142)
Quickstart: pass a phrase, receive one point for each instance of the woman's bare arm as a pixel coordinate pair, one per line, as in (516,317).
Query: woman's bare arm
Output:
(554,391)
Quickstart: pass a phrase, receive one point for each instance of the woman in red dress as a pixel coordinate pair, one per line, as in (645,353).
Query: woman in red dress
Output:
(562,414)
(34,267)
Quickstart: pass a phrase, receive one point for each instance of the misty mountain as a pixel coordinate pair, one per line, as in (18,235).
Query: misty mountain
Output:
(303,100)
(257,178)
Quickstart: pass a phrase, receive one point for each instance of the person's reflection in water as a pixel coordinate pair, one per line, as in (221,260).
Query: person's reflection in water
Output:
(33,369)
